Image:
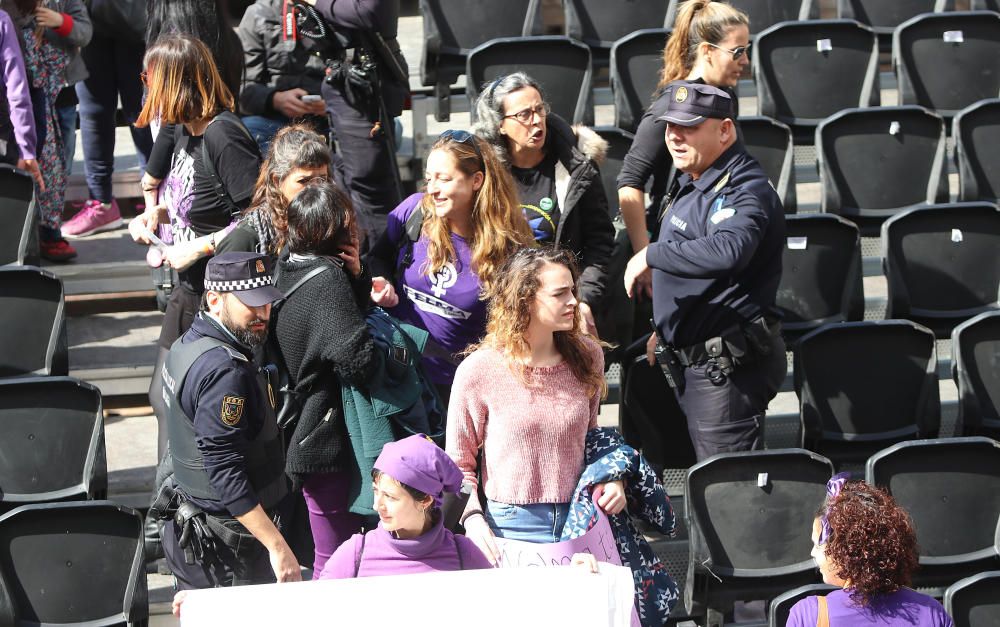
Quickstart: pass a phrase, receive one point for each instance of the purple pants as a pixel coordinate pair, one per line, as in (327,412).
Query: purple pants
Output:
(331,522)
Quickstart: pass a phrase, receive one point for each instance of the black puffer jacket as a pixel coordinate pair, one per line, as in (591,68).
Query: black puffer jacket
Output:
(274,63)
(584,224)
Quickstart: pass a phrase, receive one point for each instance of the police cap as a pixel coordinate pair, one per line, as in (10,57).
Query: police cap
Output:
(691,103)
(246,275)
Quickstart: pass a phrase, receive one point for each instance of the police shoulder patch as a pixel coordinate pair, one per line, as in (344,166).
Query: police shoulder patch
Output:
(232,410)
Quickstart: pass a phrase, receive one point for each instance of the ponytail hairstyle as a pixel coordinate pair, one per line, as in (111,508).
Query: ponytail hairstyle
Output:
(294,146)
(509,316)
(697,21)
(499,227)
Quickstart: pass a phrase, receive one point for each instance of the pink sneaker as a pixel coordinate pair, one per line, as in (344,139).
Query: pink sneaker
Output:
(93,218)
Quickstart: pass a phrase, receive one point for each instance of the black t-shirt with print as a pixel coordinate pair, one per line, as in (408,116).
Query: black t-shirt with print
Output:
(236,158)
(536,188)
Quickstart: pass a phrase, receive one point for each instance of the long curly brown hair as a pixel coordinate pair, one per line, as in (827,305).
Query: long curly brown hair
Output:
(510,299)
(294,146)
(872,544)
(499,227)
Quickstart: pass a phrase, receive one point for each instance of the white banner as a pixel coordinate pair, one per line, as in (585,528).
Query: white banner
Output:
(485,598)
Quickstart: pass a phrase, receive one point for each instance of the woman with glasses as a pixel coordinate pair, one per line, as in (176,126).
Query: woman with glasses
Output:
(442,248)
(555,169)
(710,44)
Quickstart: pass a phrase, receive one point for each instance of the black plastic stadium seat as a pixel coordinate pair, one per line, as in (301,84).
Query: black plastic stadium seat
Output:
(874,163)
(951,489)
(975,349)
(948,61)
(77,563)
(560,64)
(941,263)
(31,316)
(807,71)
(750,517)
(635,72)
(619,142)
(18,228)
(452,28)
(51,441)
(976,131)
(975,601)
(600,23)
(884,16)
(821,278)
(771,143)
(782,604)
(865,385)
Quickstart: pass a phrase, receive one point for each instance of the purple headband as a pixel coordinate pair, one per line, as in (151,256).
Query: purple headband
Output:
(833,488)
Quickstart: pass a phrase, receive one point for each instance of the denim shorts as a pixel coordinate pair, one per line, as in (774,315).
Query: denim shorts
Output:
(537,522)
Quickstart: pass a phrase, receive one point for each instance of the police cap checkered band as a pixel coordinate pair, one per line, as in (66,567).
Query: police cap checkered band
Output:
(238,285)
(247,275)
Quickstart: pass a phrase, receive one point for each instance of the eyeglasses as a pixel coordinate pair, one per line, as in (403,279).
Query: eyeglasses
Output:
(737,52)
(525,116)
(462,137)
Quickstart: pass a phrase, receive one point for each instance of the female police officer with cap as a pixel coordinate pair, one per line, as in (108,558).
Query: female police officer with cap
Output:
(716,267)
(227,455)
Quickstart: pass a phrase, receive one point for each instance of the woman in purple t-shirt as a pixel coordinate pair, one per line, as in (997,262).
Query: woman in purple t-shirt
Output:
(865,543)
(469,223)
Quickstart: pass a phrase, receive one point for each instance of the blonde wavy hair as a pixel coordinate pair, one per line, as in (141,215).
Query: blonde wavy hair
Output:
(510,303)
(499,227)
(697,21)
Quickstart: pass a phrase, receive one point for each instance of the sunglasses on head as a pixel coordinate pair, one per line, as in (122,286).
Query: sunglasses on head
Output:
(737,52)
(462,137)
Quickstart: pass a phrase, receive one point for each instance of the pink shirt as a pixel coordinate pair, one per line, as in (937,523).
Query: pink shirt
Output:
(532,435)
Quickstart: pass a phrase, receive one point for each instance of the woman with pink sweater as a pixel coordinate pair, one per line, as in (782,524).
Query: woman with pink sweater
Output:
(522,404)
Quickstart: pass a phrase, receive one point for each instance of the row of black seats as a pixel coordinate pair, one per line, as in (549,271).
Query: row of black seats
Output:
(872,162)
(749,516)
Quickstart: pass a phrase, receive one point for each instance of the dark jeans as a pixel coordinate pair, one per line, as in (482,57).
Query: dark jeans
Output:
(367,159)
(728,416)
(114,67)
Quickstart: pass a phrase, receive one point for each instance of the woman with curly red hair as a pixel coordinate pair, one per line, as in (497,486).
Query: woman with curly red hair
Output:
(864,542)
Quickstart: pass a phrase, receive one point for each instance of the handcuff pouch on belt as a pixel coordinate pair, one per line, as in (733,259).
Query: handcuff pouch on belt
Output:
(737,346)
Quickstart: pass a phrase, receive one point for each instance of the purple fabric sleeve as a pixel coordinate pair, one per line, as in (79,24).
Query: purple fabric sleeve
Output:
(16,87)
(803,613)
(341,564)
(472,557)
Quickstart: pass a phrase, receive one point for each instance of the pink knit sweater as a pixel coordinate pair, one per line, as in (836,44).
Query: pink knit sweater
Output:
(532,436)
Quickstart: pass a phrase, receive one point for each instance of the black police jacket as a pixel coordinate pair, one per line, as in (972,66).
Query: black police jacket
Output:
(717,260)
(222,396)
(274,62)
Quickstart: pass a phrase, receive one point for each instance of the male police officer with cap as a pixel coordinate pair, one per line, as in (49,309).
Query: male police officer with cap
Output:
(716,267)
(228,457)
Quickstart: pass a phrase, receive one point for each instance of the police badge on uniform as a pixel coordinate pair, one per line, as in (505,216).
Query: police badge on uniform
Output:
(232,410)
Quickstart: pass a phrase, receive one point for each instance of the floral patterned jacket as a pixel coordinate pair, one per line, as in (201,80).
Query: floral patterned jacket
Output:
(608,458)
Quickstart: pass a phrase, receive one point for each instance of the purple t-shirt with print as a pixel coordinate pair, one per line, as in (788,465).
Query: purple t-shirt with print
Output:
(445,303)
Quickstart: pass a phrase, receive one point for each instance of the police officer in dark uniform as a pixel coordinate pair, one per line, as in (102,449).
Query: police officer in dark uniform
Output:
(716,266)
(228,457)
(365,125)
